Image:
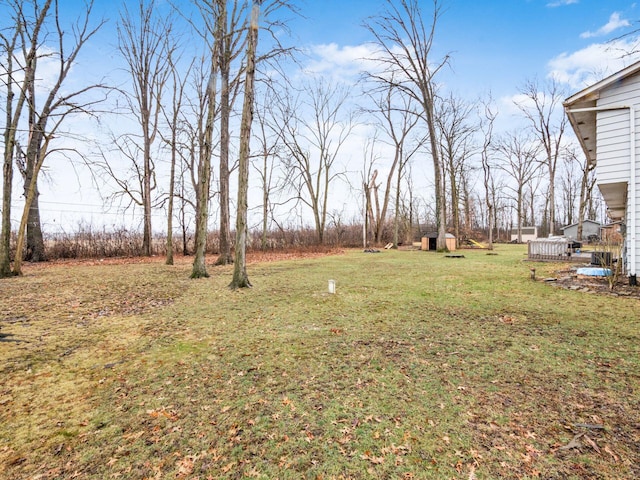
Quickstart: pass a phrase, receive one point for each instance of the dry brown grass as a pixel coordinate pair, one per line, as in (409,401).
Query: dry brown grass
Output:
(419,367)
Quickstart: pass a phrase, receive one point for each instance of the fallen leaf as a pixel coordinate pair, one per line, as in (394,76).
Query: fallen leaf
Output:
(574,443)
(591,443)
(610,452)
(228,467)
(472,473)
(185,466)
(372,459)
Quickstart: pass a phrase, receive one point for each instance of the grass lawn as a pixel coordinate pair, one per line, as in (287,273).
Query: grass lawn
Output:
(418,367)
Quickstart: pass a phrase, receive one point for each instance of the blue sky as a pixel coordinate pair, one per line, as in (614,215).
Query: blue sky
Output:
(494,44)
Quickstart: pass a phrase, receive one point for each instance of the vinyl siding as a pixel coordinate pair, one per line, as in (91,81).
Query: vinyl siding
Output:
(630,238)
(613,149)
(612,146)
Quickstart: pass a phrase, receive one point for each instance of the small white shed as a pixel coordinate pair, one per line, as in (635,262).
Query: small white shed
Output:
(527,233)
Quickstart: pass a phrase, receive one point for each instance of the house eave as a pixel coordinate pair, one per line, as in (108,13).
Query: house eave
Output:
(581,109)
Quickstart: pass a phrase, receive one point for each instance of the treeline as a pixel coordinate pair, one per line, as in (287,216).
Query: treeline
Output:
(88,242)
(195,90)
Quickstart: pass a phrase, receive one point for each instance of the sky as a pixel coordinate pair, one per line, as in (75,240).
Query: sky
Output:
(494,46)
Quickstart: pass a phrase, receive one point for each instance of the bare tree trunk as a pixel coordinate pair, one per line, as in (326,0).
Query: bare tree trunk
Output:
(179,82)
(203,186)
(373,219)
(28,34)
(455,205)
(7,180)
(268,150)
(396,217)
(172,173)
(265,210)
(224,257)
(240,277)
(199,269)
(35,240)
(30,194)
(146,202)
(183,219)
(7,167)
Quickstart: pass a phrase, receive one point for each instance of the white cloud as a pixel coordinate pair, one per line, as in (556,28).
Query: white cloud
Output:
(561,3)
(342,62)
(614,23)
(590,64)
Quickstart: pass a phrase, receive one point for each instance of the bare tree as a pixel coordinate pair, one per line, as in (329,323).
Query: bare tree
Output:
(520,162)
(370,174)
(173,119)
(405,42)
(193,133)
(231,36)
(312,130)
(266,162)
(570,188)
(543,110)
(240,277)
(587,183)
(45,121)
(398,120)
(488,117)
(23,38)
(205,140)
(145,42)
(456,142)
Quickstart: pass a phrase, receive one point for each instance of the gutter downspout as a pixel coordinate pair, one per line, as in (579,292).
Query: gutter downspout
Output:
(633,213)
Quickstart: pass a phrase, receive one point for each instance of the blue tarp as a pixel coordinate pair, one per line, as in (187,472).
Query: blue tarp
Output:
(594,272)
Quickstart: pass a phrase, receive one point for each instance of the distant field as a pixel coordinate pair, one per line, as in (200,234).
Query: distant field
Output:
(418,367)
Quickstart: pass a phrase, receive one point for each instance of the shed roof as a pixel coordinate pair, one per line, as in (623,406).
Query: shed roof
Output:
(583,222)
(435,235)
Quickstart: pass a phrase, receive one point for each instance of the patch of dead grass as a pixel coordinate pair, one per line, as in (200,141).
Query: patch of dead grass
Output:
(467,371)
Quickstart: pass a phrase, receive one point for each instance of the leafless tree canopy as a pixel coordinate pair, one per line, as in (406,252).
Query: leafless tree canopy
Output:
(390,155)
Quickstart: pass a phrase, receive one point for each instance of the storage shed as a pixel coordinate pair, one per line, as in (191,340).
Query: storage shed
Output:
(527,234)
(429,241)
(590,230)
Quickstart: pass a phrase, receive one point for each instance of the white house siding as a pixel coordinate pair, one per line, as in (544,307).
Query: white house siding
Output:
(630,235)
(612,146)
(613,151)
